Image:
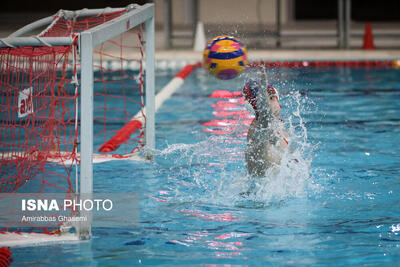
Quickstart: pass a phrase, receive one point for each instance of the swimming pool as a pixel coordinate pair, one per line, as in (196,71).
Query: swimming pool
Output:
(339,205)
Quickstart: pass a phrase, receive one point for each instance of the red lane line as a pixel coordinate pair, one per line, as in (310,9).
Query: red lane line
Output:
(125,132)
(188,69)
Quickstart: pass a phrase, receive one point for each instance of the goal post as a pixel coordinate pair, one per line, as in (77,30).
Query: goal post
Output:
(88,41)
(84,77)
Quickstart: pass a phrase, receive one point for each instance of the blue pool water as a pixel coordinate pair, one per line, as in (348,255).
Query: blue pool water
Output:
(338,205)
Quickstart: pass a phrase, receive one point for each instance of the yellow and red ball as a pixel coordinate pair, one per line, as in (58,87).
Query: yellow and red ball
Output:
(225,57)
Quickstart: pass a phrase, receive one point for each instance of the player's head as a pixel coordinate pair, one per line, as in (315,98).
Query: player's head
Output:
(251,90)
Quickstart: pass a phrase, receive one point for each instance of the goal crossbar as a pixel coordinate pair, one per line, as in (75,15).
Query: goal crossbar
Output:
(136,15)
(73,13)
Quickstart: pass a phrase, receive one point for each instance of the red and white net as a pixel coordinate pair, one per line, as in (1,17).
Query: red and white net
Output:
(40,115)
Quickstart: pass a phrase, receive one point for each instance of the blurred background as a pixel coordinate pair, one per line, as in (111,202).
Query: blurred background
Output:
(278,24)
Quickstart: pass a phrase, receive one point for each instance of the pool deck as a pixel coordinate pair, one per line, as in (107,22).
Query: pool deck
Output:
(282,55)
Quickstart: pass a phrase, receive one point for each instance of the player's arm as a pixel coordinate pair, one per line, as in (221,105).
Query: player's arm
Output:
(265,114)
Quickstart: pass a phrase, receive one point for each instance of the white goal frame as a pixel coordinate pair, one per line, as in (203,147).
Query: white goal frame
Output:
(87,42)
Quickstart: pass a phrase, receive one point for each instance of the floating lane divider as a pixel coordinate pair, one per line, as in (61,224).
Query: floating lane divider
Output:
(138,120)
(322,63)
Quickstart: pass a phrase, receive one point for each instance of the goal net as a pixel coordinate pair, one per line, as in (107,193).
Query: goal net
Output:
(70,96)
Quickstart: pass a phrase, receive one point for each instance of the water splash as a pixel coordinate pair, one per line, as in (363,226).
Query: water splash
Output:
(292,178)
(213,171)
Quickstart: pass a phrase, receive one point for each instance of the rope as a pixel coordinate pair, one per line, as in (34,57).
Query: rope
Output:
(55,20)
(42,41)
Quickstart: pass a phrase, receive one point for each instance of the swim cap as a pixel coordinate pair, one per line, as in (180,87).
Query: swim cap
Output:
(250,91)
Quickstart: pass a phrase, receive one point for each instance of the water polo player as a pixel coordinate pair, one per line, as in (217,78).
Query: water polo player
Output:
(266,138)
